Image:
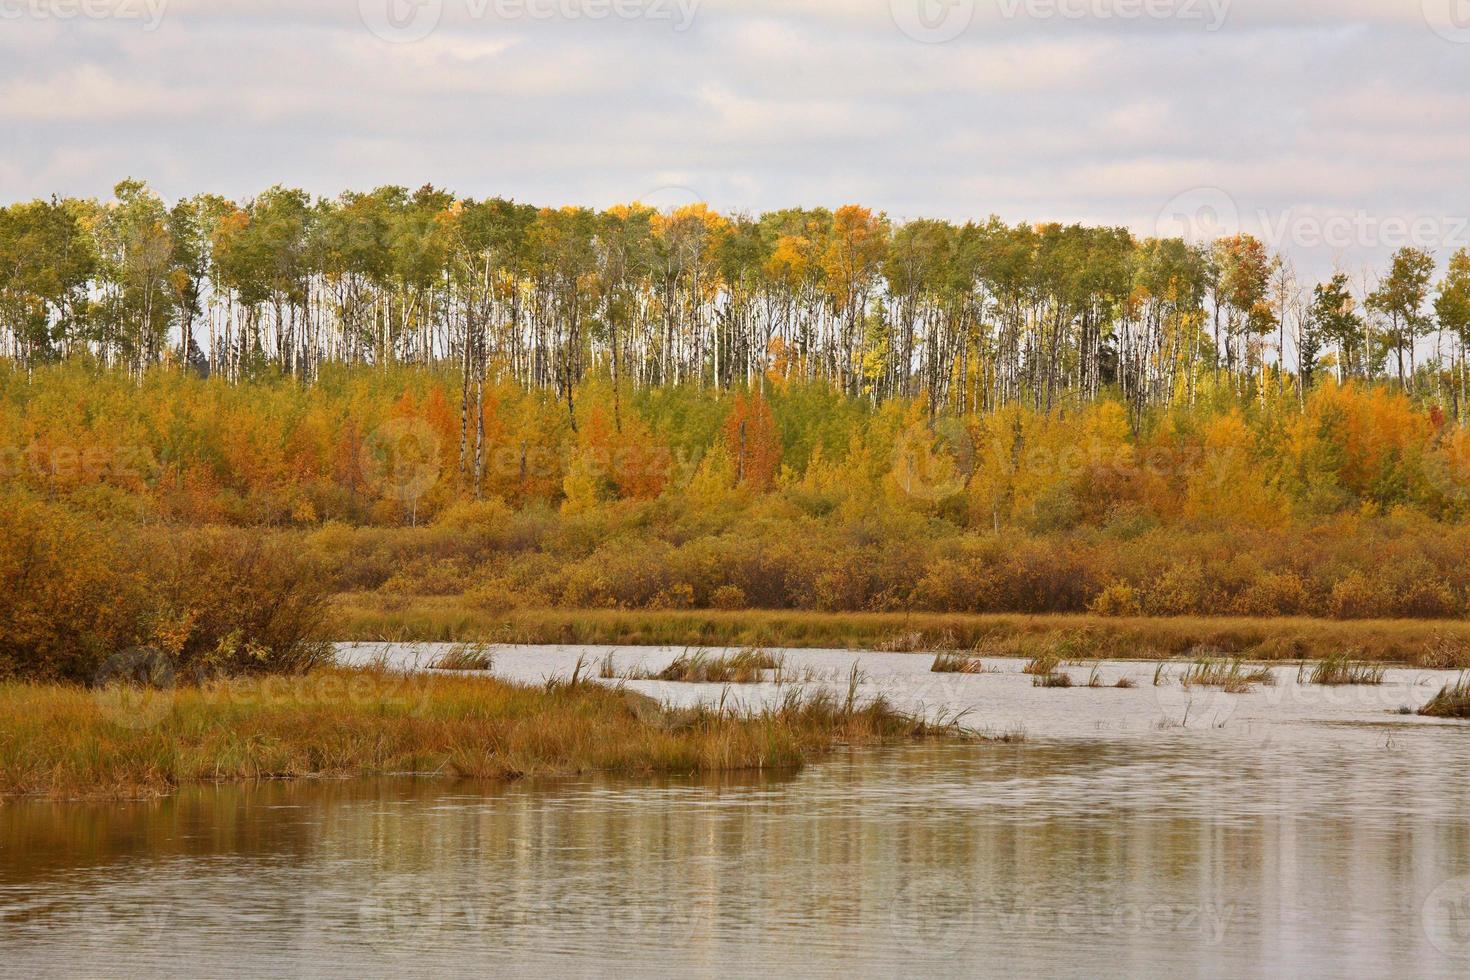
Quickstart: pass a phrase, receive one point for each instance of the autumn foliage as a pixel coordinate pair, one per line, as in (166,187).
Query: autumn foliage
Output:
(1352,505)
(90,599)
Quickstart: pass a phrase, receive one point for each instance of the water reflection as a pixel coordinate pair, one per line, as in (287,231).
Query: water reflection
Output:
(1054,858)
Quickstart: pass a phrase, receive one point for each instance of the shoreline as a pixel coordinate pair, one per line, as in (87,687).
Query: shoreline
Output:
(68,742)
(1441,644)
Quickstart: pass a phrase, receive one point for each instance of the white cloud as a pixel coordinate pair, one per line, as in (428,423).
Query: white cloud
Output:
(1304,104)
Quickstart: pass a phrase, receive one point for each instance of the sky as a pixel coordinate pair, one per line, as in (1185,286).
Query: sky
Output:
(1334,129)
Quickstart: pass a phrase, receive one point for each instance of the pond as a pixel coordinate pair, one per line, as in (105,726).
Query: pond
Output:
(1141,831)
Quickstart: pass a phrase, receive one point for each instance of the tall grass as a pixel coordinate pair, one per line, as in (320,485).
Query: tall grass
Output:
(67,741)
(1339,670)
(1453,700)
(701,667)
(1231,675)
(957,663)
(1044,664)
(466,656)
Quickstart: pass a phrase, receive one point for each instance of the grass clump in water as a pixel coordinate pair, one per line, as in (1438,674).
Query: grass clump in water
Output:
(957,663)
(1339,670)
(744,667)
(466,656)
(1058,679)
(1453,700)
(1043,664)
(1232,675)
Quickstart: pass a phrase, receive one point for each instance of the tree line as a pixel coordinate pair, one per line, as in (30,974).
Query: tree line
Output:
(967,317)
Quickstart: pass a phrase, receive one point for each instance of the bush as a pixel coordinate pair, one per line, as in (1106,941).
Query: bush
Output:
(77,592)
(728,597)
(1118,599)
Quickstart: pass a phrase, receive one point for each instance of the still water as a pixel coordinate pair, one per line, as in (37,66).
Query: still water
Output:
(1144,832)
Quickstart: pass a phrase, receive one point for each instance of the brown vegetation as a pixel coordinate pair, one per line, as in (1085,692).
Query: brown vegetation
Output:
(65,741)
(87,598)
(369,617)
(1453,701)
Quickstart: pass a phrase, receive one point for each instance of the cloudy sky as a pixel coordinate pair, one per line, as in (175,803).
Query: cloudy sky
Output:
(1336,128)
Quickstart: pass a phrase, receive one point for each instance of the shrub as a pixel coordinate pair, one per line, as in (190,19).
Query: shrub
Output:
(1118,599)
(728,597)
(1357,598)
(76,592)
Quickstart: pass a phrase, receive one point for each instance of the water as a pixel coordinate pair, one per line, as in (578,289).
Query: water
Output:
(1293,831)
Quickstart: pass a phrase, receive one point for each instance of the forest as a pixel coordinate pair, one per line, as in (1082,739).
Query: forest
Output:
(967,317)
(397,396)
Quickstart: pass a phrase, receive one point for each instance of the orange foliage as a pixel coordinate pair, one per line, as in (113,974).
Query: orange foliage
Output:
(753,442)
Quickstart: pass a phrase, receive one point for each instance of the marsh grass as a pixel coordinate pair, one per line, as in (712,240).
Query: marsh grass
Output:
(63,741)
(1058,679)
(1445,651)
(1043,664)
(957,663)
(1453,700)
(700,667)
(466,656)
(1427,643)
(1340,670)
(1232,675)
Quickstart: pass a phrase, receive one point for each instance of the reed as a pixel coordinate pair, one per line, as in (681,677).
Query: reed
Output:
(699,667)
(1453,700)
(466,656)
(957,663)
(1043,664)
(1058,679)
(1340,670)
(1231,675)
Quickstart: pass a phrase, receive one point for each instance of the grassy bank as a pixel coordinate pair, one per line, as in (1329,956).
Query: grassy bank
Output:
(66,741)
(1429,643)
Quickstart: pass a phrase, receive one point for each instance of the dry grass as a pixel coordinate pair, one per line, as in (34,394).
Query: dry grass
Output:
(1231,675)
(1043,664)
(1453,700)
(1340,670)
(700,667)
(1427,643)
(1058,679)
(466,656)
(957,663)
(69,742)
